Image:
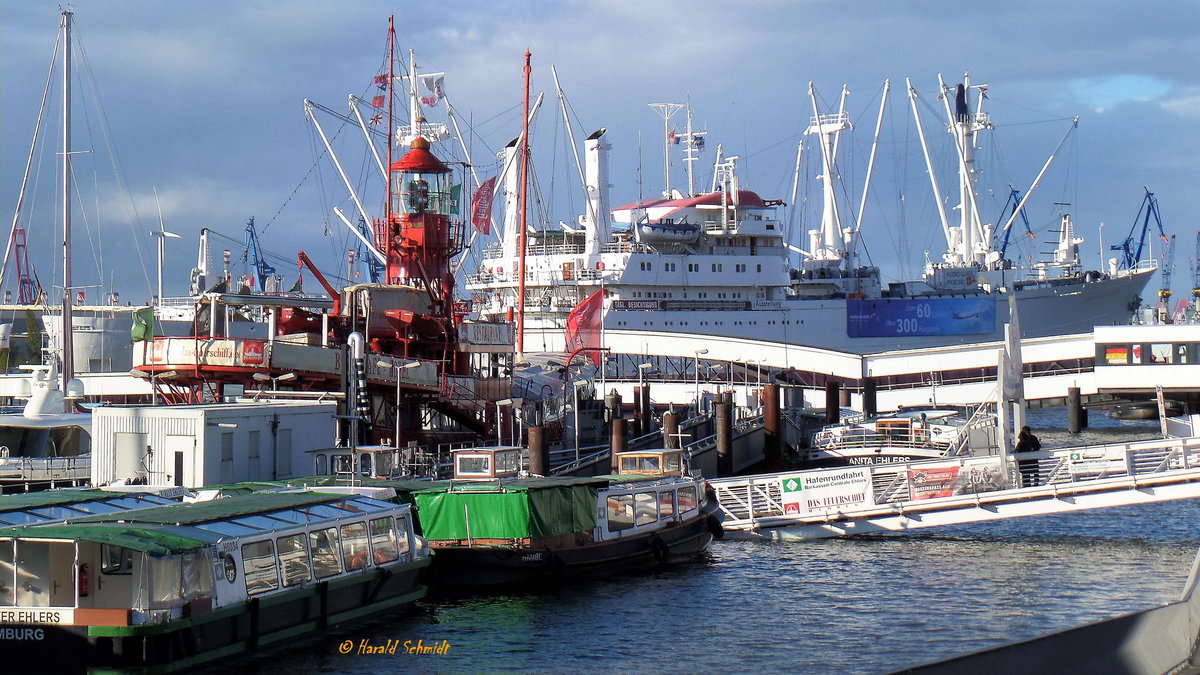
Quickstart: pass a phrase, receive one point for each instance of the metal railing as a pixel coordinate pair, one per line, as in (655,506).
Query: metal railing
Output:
(755,502)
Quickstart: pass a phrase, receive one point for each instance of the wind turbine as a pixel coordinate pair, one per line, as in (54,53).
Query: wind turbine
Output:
(162,236)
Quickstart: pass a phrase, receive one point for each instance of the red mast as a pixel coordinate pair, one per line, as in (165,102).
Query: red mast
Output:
(391,122)
(521,237)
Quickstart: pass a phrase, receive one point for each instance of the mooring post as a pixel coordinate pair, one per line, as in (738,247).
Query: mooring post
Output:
(869,397)
(670,430)
(539,453)
(1074,410)
(616,441)
(724,416)
(832,402)
(772,431)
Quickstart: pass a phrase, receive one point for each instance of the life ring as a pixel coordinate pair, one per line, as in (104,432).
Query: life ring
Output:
(661,552)
(600,264)
(714,527)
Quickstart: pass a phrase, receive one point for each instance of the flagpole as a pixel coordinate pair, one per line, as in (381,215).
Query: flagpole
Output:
(391,129)
(524,196)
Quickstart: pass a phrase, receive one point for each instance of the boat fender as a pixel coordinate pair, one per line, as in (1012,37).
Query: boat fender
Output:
(714,526)
(555,564)
(659,548)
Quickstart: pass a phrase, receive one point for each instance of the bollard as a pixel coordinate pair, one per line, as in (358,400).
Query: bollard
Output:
(539,453)
(772,431)
(870,409)
(639,424)
(646,411)
(670,430)
(612,406)
(1074,410)
(616,441)
(724,417)
(832,398)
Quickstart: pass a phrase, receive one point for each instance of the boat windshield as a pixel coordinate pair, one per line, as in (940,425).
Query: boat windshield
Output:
(43,441)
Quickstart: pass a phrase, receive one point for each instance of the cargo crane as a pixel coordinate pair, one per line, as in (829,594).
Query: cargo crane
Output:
(1130,257)
(1164,290)
(1196,281)
(262,269)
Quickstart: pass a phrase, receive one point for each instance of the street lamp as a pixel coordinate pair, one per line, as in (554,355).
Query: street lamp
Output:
(403,365)
(696,372)
(266,377)
(575,392)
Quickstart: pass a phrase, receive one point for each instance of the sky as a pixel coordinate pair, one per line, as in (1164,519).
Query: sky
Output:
(203,104)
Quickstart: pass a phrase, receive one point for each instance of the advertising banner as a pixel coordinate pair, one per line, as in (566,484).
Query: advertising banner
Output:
(820,490)
(920,316)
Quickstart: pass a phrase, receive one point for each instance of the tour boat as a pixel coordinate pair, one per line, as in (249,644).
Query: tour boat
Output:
(905,436)
(488,529)
(170,587)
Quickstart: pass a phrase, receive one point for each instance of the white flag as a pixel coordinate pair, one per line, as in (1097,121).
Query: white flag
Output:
(433,84)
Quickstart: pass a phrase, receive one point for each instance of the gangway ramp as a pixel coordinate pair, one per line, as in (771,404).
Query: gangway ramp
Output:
(816,504)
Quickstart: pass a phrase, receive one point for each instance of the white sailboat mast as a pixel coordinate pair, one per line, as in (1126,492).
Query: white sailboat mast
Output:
(68,347)
(963,125)
(937,192)
(826,243)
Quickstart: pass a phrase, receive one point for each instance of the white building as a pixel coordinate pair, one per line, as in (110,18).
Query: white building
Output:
(209,444)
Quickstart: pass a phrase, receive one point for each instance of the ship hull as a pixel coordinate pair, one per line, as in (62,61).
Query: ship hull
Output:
(832,323)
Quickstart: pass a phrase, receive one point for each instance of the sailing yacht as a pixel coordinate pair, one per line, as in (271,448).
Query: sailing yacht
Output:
(716,263)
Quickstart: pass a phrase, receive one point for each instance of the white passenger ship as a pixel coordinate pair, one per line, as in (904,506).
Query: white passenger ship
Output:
(716,264)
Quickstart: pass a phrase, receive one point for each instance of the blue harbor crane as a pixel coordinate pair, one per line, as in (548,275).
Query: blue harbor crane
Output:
(374,267)
(262,269)
(1131,251)
(1014,199)
(1164,289)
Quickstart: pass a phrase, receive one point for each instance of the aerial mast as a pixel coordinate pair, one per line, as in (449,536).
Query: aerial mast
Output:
(524,203)
(68,347)
(667,110)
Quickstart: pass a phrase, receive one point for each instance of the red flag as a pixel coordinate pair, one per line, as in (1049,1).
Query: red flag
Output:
(377,102)
(481,206)
(583,325)
(381,81)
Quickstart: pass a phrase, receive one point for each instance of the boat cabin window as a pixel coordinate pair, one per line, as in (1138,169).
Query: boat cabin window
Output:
(473,465)
(384,546)
(293,559)
(326,561)
(354,545)
(115,559)
(687,498)
(620,512)
(322,465)
(508,462)
(646,504)
(640,464)
(258,567)
(8,571)
(403,528)
(666,503)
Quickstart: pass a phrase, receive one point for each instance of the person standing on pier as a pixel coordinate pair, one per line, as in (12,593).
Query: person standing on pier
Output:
(1028,468)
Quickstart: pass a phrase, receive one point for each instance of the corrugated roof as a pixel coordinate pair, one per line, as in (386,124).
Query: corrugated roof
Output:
(154,542)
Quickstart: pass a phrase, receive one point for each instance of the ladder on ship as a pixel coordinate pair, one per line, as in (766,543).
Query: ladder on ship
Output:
(816,504)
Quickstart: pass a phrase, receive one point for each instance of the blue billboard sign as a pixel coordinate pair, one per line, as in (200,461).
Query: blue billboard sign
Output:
(920,316)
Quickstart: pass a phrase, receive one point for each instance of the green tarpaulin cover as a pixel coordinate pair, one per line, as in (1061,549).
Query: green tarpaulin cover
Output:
(512,513)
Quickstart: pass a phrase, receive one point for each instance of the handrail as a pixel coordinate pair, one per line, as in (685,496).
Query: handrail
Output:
(1073,470)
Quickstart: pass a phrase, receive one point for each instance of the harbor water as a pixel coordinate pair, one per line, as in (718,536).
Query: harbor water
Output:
(861,605)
